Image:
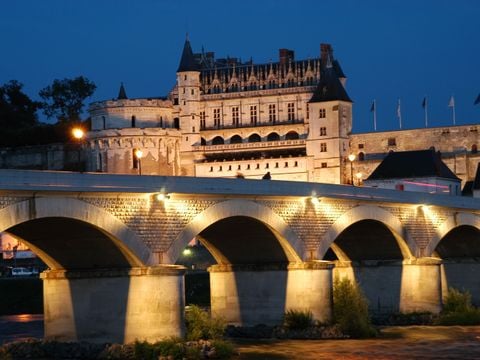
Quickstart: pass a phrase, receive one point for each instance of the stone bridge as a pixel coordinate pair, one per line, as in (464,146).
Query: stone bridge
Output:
(111,243)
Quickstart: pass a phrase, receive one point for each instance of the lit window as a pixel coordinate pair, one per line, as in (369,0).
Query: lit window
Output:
(291,111)
(253,114)
(272,113)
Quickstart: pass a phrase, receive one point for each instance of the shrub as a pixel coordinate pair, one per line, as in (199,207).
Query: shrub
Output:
(223,349)
(350,309)
(172,347)
(298,319)
(457,301)
(201,326)
(458,309)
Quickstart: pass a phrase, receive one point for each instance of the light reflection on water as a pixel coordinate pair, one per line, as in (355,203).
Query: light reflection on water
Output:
(20,327)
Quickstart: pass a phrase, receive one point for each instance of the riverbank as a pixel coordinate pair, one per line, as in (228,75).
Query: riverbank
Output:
(396,342)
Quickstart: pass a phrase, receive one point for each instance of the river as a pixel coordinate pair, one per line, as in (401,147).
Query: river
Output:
(20,327)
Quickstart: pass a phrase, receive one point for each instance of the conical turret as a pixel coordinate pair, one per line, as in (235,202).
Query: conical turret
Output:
(122,94)
(188,62)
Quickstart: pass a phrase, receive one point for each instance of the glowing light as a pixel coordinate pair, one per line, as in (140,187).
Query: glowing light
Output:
(138,154)
(315,201)
(351,157)
(78,133)
(162,197)
(359,175)
(187,252)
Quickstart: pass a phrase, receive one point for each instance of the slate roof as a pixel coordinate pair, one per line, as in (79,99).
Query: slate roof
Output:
(329,87)
(188,61)
(412,164)
(476,181)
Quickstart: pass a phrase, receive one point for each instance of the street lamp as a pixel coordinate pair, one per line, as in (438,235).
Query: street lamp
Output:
(359,176)
(78,134)
(351,158)
(138,155)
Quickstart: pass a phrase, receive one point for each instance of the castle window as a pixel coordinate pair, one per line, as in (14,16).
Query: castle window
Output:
(273,137)
(291,135)
(323,147)
(248,167)
(134,120)
(308,112)
(218,140)
(239,167)
(99,162)
(175,101)
(474,149)
(253,86)
(322,114)
(176,123)
(202,120)
(184,90)
(235,116)
(361,156)
(104,122)
(160,121)
(229,167)
(324,165)
(267,165)
(193,92)
(272,113)
(185,77)
(220,168)
(258,166)
(295,164)
(211,168)
(291,111)
(235,139)
(323,131)
(254,138)
(193,129)
(135,159)
(361,146)
(216,117)
(392,142)
(276,164)
(286,163)
(253,114)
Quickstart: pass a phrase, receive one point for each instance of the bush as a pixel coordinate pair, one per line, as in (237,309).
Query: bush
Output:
(298,319)
(223,349)
(458,309)
(201,326)
(171,347)
(350,310)
(457,301)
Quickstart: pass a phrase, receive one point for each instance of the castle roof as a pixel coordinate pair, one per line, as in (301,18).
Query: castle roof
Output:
(329,87)
(412,164)
(188,61)
(122,94)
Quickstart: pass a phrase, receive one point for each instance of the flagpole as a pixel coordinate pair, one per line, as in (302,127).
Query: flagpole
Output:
(426,112)
(453,112)
(374,115)
(399,114)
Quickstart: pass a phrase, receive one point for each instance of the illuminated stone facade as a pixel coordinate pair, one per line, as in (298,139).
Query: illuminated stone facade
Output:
(225,118)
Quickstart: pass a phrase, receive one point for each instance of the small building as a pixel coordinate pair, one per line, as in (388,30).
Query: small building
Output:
(421,170)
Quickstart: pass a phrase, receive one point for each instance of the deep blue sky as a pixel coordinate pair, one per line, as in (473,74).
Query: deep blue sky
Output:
(388,49)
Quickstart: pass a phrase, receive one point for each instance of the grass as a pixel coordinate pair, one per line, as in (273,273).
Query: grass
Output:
(298,319)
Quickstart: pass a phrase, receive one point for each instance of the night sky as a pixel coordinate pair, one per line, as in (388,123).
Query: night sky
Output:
(388,49)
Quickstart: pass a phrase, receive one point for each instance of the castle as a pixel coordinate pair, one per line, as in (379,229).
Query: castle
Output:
(288,120)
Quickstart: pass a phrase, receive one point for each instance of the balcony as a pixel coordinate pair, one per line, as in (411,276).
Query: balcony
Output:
(250,146)
(249,124)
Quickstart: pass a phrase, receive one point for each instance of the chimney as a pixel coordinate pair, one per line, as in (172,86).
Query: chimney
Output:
(285,56)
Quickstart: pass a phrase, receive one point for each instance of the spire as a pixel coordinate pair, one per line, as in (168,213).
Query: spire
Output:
(122,94)
(187,62)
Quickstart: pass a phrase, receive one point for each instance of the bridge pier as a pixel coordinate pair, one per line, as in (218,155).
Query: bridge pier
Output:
(248,295)
(421,288)
(114,305)
(406,286)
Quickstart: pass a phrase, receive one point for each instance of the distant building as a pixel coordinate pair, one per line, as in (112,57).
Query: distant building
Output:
(421,170)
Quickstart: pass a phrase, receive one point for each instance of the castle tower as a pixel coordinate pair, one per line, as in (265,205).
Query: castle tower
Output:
(330,124)
(188,83)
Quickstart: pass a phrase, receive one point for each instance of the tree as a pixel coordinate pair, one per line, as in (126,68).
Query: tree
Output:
(17,110)
(64,99)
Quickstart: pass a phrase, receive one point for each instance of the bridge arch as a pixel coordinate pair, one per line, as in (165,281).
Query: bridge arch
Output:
(451,223)
(229,209)
(42,213)
(367,213)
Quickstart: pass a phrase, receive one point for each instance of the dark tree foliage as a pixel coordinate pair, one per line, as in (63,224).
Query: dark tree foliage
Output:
(64,99)
(17,110)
